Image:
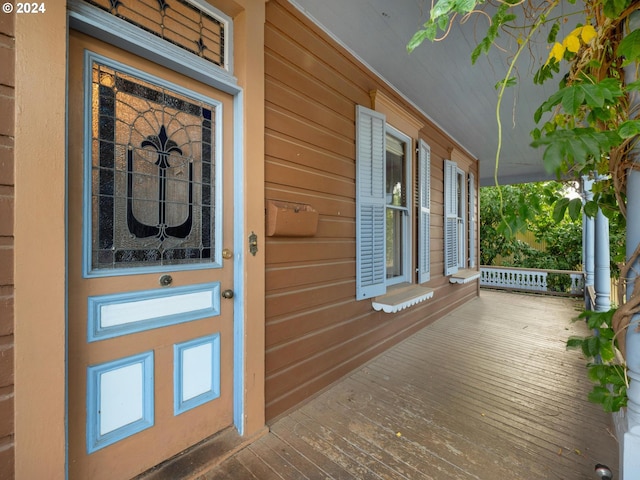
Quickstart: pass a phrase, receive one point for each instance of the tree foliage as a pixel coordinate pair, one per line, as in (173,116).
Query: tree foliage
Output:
(530,207)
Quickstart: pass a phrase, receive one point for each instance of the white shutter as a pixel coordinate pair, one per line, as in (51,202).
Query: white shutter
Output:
(370,203)
(472,220)
(424,219)
(450,217)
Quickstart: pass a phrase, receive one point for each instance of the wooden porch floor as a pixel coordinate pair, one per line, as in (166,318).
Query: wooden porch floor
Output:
(488,392)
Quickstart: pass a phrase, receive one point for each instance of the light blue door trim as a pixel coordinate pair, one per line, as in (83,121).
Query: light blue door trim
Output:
(180,373)
(110,29)
(191,302)
(98,394)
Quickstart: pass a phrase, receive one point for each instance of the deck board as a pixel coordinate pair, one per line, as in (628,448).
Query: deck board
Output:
(487,392)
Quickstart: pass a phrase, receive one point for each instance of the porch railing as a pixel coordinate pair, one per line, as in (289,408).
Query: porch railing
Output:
(551,282)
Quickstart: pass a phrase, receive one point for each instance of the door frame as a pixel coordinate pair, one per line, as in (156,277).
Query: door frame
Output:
(39,244)
(114,31)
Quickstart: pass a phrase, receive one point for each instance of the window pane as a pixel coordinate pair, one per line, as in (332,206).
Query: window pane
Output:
(153,174)
(396,169)
(395,247)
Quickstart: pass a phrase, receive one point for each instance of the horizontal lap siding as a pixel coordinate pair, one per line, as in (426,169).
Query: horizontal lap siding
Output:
(316,332)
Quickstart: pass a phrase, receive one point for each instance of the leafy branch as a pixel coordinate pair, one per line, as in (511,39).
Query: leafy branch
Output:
(605,365)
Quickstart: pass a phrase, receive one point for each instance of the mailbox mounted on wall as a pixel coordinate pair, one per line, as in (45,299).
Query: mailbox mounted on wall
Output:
(290,219)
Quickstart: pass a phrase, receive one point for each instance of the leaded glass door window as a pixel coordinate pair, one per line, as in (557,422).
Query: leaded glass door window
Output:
(154,169)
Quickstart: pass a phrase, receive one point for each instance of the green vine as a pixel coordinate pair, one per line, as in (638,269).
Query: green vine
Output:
(589,127)
(605,368)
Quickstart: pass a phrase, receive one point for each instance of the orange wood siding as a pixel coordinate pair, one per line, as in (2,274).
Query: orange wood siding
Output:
(7,83)
(316,331)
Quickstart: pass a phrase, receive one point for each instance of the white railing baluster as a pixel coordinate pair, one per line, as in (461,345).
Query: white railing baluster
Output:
(528,279)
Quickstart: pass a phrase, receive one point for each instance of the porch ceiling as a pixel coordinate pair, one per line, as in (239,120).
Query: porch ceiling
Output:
(440,80)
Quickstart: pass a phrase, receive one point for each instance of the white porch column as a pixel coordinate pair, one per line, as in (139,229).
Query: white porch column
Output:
(602,270)
(630,441)
(588,240)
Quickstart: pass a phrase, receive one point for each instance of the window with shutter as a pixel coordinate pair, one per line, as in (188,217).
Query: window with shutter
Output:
(384,212)
(424,220)
(472,221)
(450,217)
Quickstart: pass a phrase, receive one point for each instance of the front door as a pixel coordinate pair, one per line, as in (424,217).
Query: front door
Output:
(150,209)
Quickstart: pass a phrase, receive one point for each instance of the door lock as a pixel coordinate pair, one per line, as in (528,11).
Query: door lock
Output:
(227,293)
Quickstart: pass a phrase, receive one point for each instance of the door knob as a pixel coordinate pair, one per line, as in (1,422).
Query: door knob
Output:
(227,293)
(227,254)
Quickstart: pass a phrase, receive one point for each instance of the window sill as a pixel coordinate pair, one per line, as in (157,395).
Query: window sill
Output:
(400,297)
(464,275)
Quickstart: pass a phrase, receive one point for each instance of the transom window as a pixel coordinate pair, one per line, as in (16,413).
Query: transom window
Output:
(188,24)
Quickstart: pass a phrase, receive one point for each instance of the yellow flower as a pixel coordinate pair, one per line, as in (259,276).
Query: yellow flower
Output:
(557,52)
(588,33)
(572,43)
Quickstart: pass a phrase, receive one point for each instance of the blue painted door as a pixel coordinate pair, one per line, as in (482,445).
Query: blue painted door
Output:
(150,333)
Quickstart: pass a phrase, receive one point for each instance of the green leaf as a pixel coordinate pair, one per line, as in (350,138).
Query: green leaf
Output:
(552,157)
(629,47)
(633,85)
(427,33)
(575,208)
(613,8)
(593,95)
(442,7)
(615,377)
(607,352)
(572,99)
(591,208)
(599,394)
(612,88)
(509,82)
(629,129)
(597,373)
(591,347)
(464,6)
(443,21)
(553,33)
(574,342)
(553,100)
(559,209)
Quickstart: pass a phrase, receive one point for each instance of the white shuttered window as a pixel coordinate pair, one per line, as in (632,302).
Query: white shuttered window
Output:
(372,205)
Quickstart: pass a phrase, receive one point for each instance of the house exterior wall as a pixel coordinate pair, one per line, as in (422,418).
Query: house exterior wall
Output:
(7,103)
(316,331)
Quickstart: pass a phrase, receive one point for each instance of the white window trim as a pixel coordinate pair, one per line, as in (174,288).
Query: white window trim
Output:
(407,218)
(461,182)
